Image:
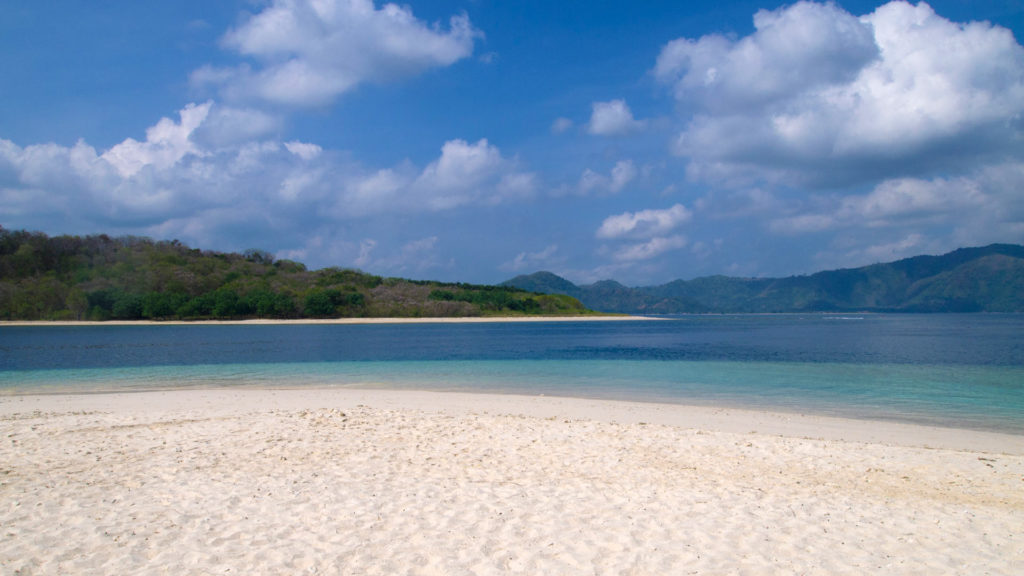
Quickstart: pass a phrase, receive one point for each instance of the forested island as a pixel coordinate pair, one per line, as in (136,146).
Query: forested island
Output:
(100,278)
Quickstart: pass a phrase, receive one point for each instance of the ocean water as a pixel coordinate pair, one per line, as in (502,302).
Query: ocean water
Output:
(950,370)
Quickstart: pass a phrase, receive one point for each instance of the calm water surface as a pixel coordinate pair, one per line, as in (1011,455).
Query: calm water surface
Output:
(953,370)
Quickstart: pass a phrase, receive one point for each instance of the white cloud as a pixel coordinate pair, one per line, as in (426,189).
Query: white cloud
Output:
(613,118)
(796,48)
(166,143)
(464,174)
(818,96)
(914,198)
(650,249)
(533,260)
(236,196)
(802,223)
(646,234)
(303,150)
(645,223)
(467,173)
(461,165)
(516,185)
(308,52)
(908,202)
(230,126)
(907,216)
(591,180)
(561,125)
(375,192)
(621,175)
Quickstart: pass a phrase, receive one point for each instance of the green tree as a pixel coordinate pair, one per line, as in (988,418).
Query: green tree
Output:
(261,302)
(225,303)
(158,305)
(198,307)
(284,306)
(319,303)
(127,307)
(77,303)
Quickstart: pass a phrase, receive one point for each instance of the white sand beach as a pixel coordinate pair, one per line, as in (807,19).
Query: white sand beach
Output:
(339,321)
(385,482)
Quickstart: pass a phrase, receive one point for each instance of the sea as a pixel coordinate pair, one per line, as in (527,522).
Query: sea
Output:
(956,370)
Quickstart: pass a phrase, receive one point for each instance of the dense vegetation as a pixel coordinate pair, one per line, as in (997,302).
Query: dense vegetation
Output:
(988,279)
(132,278)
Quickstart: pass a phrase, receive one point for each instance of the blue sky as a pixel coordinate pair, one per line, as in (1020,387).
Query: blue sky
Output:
(475,140)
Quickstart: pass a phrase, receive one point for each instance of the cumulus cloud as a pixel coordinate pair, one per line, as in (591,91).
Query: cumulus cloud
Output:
(621,175)
(645,234)
(793,49)
(166,143)
(645,223)
(816,96)
(612,119)
(231,126)
(468,173)
(172,184)
(461,168)
(308,52)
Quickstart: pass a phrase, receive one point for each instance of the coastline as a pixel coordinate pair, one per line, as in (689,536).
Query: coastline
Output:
(724,419)
(342,321)
(382,482)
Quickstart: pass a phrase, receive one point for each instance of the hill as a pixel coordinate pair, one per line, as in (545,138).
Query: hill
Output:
(986,279)
(132,278)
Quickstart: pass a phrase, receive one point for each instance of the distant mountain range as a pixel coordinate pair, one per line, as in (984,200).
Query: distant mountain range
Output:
(987,279)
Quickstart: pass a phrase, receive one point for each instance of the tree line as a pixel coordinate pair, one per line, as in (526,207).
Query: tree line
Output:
(99,277)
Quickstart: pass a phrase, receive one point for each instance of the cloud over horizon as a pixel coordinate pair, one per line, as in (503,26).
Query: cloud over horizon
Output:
(170,185)
(820,138)
(893,125)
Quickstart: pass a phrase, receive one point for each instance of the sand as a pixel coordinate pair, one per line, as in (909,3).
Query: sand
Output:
(378,482)
(340,321)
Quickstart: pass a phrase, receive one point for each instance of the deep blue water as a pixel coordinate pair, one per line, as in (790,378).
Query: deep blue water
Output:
(953,370)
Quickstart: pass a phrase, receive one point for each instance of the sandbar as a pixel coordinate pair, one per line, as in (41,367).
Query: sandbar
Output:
(344,481)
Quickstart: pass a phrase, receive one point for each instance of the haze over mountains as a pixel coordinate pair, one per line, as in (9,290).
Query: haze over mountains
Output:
(985,279)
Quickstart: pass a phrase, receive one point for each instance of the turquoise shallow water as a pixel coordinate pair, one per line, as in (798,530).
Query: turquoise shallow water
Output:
(961,396)
(963,371)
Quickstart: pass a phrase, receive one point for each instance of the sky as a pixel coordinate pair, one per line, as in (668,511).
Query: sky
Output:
(475,140)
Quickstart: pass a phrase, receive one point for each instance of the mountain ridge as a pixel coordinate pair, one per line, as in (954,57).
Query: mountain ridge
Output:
(975,279)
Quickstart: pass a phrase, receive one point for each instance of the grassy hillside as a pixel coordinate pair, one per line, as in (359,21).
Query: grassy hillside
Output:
(128,278)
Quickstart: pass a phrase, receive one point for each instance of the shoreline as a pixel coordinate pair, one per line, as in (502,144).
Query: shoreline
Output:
(723,419)
(328,321)
(386,482)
